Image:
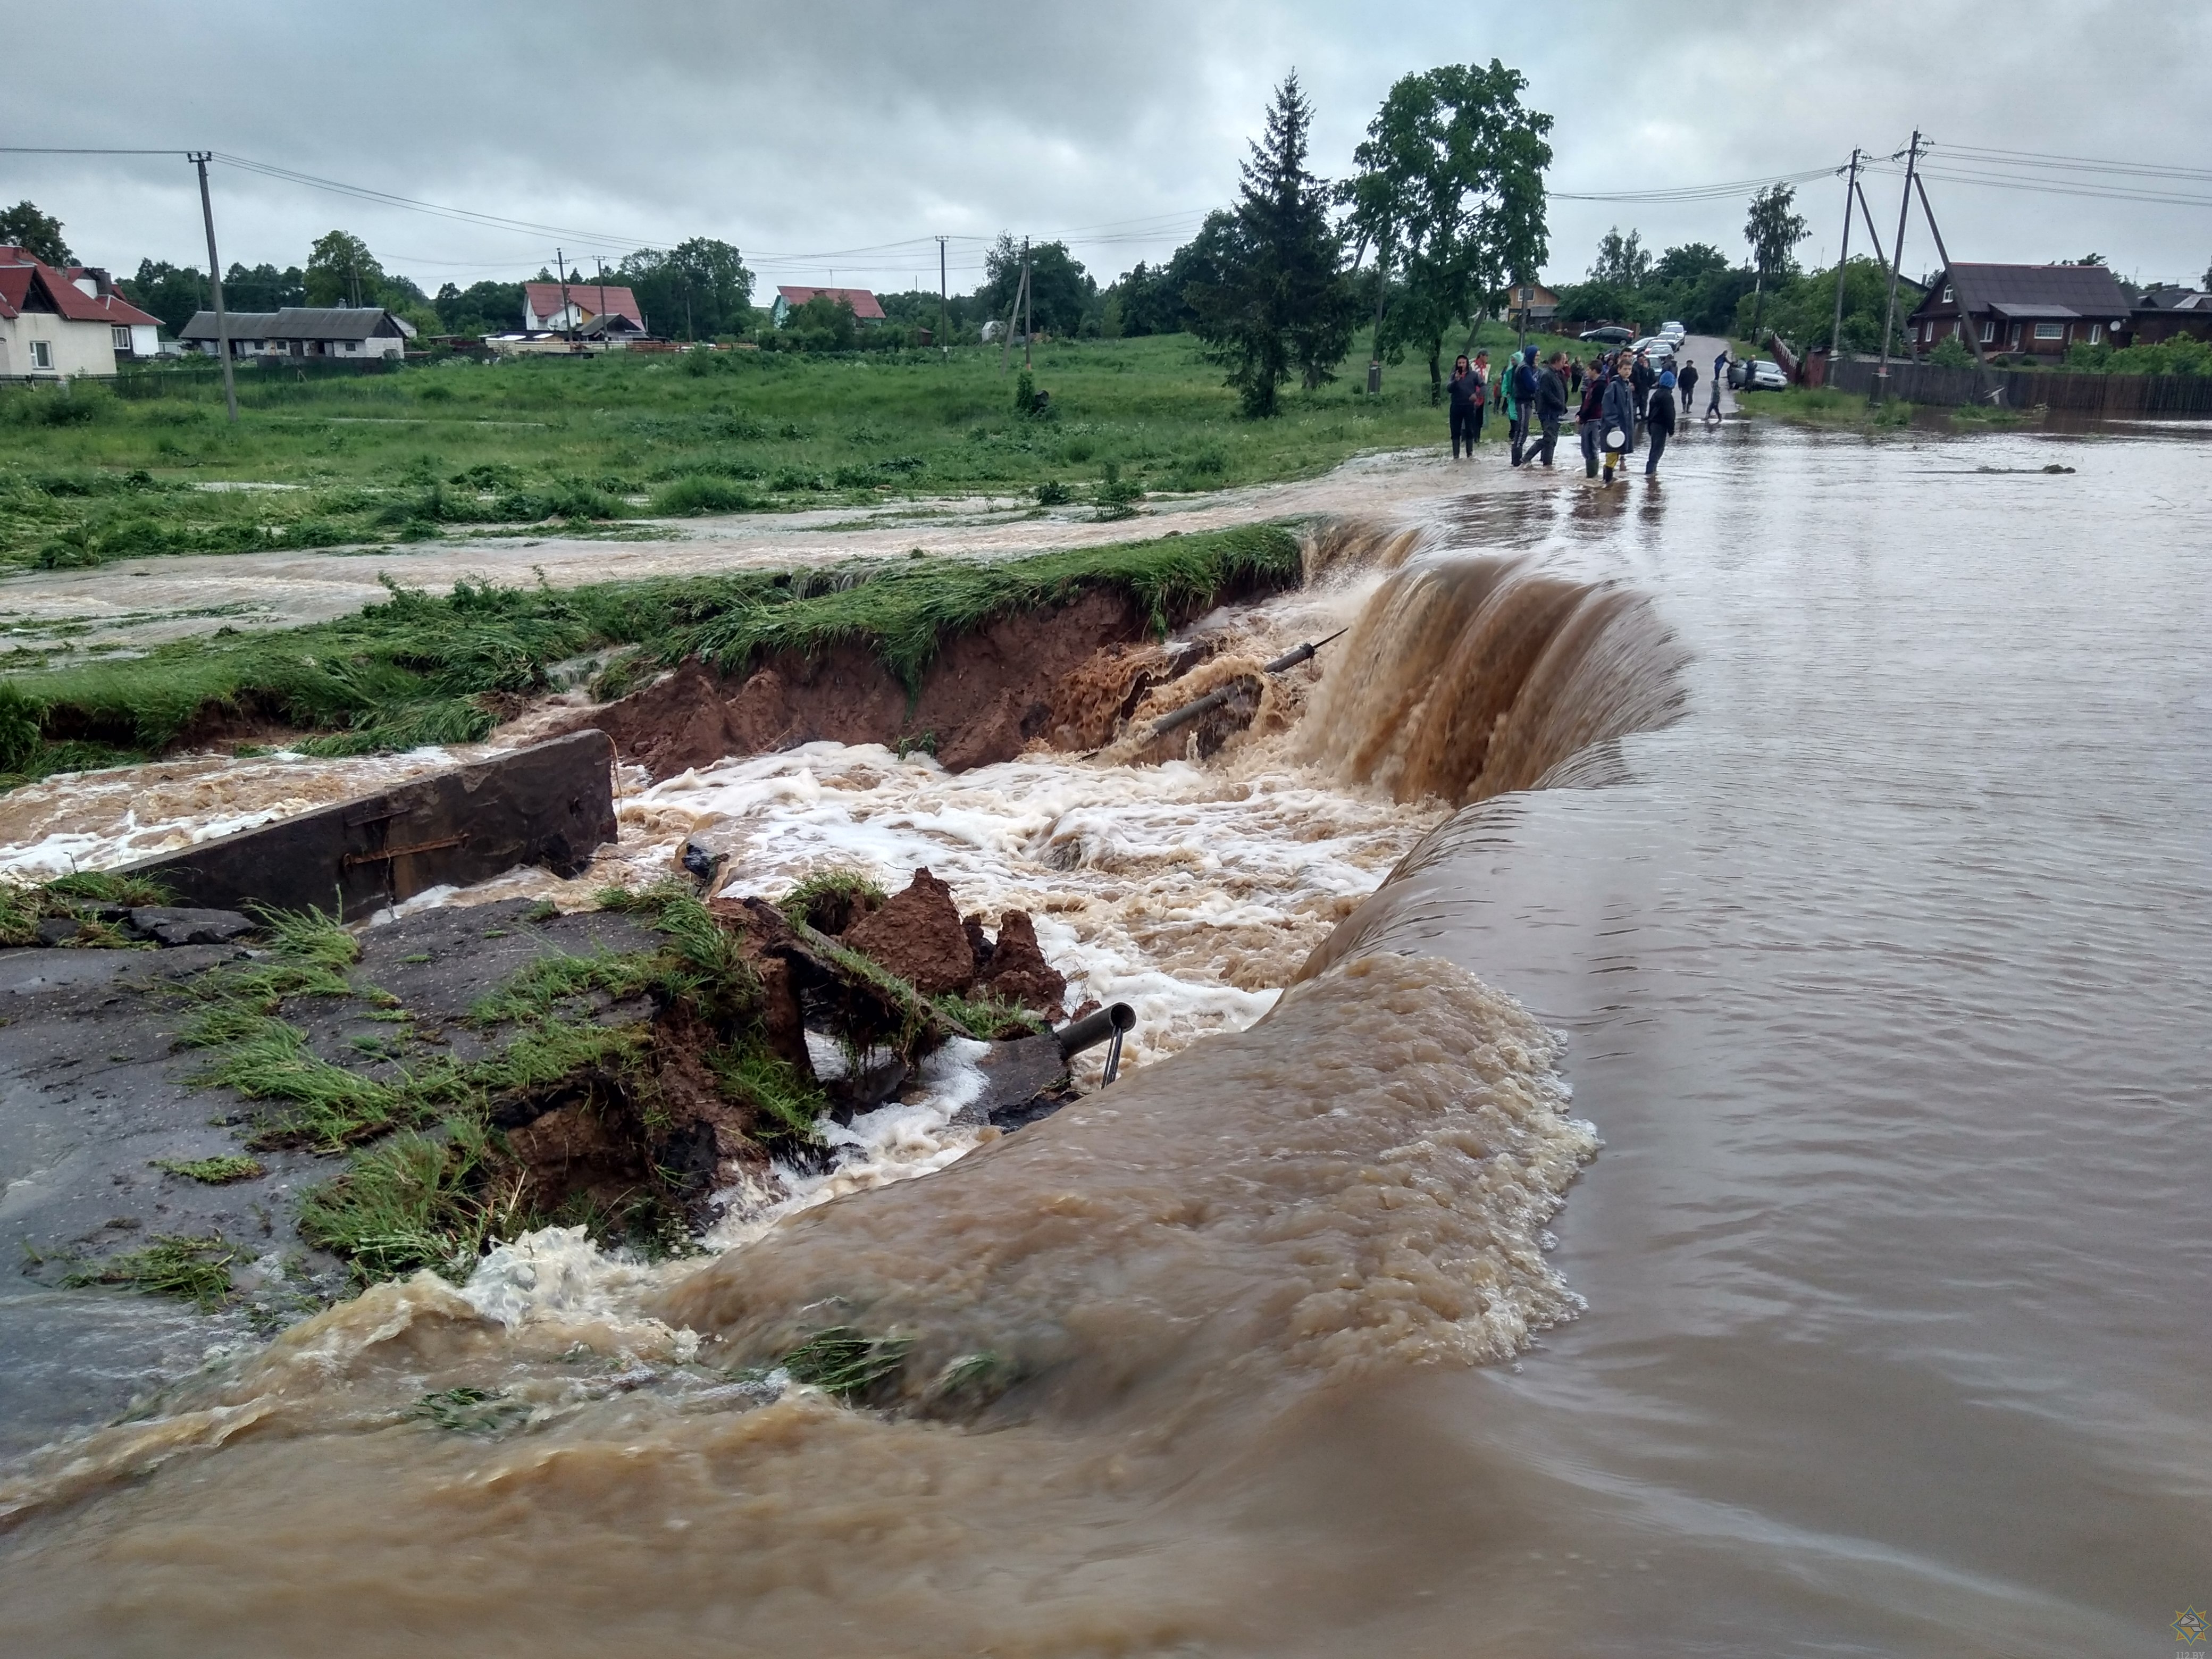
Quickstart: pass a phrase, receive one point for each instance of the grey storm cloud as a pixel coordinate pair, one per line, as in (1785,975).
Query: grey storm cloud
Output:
(840,137)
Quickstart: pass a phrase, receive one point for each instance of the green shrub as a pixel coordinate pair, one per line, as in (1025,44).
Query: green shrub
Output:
(696,494)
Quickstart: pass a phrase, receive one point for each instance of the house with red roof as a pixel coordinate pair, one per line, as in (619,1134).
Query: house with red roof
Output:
(597,308)
(787,299)
(58,323)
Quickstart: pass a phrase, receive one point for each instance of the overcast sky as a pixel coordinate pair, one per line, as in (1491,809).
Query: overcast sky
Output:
(805,133)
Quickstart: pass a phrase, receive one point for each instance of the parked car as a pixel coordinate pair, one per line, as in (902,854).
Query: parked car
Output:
(1660,351)
(1609,334)
(1761,374)
(1674,332)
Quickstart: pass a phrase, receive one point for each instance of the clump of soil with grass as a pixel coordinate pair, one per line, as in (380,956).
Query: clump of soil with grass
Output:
(633,1062)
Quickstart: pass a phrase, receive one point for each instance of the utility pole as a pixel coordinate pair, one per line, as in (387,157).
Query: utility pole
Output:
(1842,262)
(1958,288)
(1029,305)
(199,159)
(602,265)
(943,304)
(1014,311)
(1897,259)
(560,270)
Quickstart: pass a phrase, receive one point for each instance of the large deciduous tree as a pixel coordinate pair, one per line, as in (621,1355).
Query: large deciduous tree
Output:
(698,290)
(1278,302)
(1450,195)
(1061,292)
(1773,232)
(342,271)
(39,235)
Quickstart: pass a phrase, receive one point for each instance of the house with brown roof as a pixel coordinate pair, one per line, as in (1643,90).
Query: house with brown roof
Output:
(60,323)
(595,308)
(2038,310)
(865,307)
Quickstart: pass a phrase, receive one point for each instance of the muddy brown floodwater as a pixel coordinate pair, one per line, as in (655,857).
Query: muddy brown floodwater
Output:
(1835,852)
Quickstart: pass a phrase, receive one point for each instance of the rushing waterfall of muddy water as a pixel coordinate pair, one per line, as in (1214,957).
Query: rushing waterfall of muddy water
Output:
(1836,833)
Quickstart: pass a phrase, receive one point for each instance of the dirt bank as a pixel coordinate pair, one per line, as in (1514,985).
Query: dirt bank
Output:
(1064,676)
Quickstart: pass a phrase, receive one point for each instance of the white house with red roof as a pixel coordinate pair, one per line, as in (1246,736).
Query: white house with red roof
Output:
(59,323)
(787,299)
(584,307)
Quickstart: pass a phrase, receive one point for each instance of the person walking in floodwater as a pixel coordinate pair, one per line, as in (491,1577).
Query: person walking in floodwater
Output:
(1551,405)
(1659,420)
(1618,417)
(1686,387)
(1522,389)
(1466,392)
(1720,379)
(1641,377)
(1589,416)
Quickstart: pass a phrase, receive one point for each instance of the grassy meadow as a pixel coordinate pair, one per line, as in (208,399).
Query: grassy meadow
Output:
(91,475)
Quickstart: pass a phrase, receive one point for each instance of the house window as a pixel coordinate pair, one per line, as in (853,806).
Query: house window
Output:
(1989,333)
(42,354)
(1946,294)
(122,339)
(2050,330)
(2096,332)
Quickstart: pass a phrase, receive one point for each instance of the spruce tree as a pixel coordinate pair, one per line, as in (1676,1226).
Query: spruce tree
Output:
(1279,303)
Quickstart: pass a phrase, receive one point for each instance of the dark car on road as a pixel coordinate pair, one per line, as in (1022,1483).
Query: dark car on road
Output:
(1607,334)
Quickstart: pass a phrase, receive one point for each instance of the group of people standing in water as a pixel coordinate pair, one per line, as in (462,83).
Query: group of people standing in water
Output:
(1621,403)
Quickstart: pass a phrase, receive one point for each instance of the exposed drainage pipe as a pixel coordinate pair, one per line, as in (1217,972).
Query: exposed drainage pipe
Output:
(1212,700)
(1094,1029)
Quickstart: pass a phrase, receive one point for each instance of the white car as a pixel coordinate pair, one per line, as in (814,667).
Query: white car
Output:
(1660,350)
(1767,376)
(1674,333)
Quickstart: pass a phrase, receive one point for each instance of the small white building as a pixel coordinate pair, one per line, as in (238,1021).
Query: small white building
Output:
(64,323)
(358,332)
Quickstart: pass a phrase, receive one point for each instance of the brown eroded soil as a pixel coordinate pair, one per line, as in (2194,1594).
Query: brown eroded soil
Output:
(1062,679)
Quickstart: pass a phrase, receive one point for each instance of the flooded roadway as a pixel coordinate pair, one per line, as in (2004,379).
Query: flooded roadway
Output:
(1882,974)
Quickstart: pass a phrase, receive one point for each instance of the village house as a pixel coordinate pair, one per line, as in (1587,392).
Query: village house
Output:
(64,323)
(600,310)
(1533,304)
(358,332)
(2036,310)
(2161,314)
(787,299)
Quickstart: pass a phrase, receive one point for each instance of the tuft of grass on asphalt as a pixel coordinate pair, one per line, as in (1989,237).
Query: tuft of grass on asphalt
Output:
(195,1270)
(218,1171)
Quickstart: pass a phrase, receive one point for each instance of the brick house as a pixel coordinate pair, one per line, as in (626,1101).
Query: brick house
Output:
(2037,310)
(62,323)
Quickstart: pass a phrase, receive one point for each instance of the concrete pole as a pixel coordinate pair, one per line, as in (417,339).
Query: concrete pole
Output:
(1842,262)
(1897,259)
(215,290)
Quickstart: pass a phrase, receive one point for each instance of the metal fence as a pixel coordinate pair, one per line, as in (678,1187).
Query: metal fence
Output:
(2182,396)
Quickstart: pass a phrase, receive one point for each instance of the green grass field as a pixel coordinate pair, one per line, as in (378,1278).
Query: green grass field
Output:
(460,448)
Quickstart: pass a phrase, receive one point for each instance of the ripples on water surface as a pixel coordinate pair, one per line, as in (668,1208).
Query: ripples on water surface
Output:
(1884,976)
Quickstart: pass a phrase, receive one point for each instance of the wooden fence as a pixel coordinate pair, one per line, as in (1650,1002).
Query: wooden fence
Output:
(2178,395)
